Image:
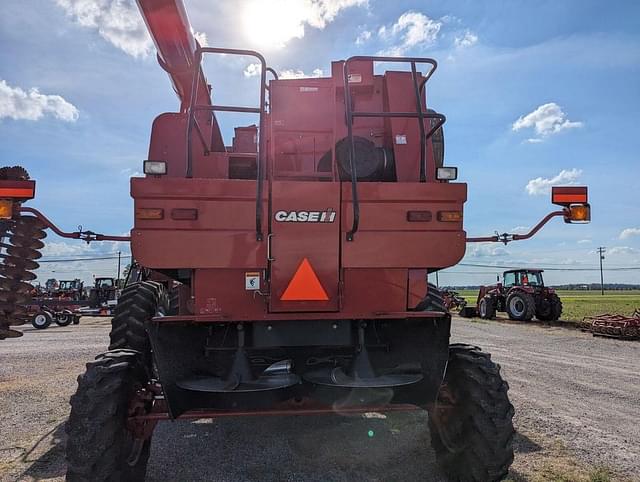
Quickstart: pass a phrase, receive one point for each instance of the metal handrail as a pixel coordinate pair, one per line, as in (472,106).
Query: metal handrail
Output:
(193,108)
(419,114)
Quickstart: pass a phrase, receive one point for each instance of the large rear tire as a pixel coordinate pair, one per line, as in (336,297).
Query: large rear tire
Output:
(552,309)
(487,308)
(471,422)
(138,303)
(99,443)
(520,306)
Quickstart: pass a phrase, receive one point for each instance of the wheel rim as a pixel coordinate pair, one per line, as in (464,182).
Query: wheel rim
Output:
(517,306)
(483,308)
(40,320)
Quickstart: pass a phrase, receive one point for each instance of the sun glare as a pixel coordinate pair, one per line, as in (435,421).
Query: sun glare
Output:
(269,25)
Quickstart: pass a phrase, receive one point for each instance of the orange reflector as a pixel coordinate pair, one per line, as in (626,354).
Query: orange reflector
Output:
(450,216)
(305,285)
(149,213)
(6,208)
(565,195)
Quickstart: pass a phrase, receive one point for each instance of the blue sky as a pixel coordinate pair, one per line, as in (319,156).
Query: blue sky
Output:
(535,93)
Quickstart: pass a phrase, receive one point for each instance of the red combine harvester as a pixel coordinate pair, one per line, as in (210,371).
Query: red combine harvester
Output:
(301,253)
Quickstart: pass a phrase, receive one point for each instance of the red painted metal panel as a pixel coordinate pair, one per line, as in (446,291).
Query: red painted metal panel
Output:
(375,290)
(293,241)
(222,236)
(386,239)
(417,287)
(404,249)
(222,292)
(161,248)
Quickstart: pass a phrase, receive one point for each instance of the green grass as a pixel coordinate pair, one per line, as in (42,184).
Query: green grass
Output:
(578,304)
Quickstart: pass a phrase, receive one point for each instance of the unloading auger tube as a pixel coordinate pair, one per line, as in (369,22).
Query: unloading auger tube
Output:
(22,230)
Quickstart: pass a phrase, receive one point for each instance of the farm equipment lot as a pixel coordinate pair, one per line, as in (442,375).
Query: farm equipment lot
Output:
(577,304)
(576,400)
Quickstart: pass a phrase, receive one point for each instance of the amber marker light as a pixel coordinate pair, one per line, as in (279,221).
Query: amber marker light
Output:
(578,213)
(6,208)
(450,216)
(149,213)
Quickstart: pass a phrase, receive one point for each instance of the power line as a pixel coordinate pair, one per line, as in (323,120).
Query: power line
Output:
(75,260)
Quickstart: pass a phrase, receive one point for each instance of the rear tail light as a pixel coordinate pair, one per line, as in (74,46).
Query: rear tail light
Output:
(450,216)
(182,214)
(418,216)
(149,213)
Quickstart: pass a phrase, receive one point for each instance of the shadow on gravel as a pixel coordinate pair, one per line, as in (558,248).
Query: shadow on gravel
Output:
(50,463)
(324,448)
(524,445)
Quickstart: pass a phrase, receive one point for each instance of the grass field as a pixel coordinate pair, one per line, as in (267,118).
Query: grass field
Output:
(578,304)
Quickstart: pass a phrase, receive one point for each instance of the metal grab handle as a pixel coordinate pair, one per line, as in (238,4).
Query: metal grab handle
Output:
(192,121)
(269,258)
(419,114)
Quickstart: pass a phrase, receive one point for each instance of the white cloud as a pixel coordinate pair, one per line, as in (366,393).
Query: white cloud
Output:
(584,241)
(629,232)
(117,21)
(202,39)
(252,70)
(364,36)
(274,23)
(482,250)
(298,74)
(540,185)
(411,29)
(467,40)
(18,104)
(622,250)
(520,229)
(546,120)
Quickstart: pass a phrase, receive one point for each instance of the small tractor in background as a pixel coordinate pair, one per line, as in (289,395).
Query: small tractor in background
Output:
(302,254)
(71,289)
(522,295)
(103,293)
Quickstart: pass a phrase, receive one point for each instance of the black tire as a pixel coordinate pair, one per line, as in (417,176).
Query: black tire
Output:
(549,309)
(64,319)
(520,306)
(471,423)
(99,443)
(174,301)
(138,303)
(433,301)
(41,320)
(487,308)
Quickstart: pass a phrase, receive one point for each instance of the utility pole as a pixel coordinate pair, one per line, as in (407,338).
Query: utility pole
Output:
(601,251)
(118,278)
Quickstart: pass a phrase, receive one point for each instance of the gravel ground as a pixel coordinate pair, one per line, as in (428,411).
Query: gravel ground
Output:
(576,401)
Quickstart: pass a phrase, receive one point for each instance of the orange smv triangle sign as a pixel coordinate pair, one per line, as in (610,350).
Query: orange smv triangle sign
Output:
(305,285)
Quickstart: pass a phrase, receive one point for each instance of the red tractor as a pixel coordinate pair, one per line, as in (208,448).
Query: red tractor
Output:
(302,252)
(522,295)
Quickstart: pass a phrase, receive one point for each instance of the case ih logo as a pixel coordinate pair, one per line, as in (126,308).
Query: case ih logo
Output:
(327,216)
